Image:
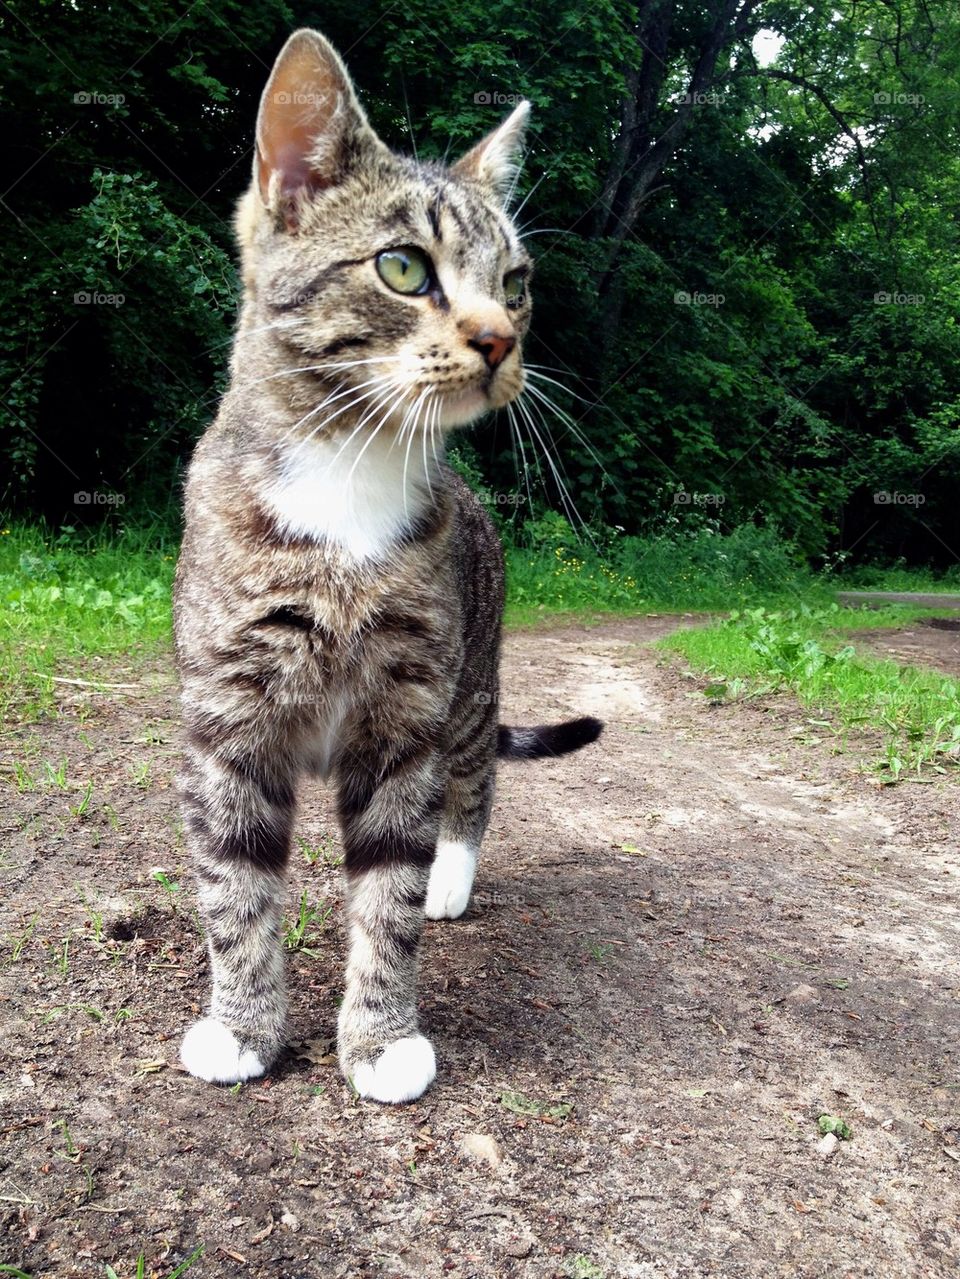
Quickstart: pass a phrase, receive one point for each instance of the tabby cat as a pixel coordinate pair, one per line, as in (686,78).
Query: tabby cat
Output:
(339,591)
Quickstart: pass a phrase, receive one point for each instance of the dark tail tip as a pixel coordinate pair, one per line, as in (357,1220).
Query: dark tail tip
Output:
(547,739)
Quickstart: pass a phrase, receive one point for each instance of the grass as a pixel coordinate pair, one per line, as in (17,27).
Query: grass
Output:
(140,1264)
(69,599)
(757,651)
(305,931)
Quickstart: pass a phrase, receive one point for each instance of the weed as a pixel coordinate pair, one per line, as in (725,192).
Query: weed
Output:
(96,1014)
(25,780)
(20,943)
(302,932)
(141,774)
(80,810)
(141,1266)
(170,886)
(62,957)
(582,1267)
(72,1151)
(56,775)
(521,1105)
(184,1266)
(598,951)
(95,917)
(325,849)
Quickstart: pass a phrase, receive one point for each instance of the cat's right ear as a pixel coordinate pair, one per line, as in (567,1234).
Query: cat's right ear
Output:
(310,128)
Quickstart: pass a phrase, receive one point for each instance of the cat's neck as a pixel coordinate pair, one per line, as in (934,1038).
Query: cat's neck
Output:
(361,492)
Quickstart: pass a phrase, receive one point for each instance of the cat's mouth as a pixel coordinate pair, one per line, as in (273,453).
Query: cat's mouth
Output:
(460,404)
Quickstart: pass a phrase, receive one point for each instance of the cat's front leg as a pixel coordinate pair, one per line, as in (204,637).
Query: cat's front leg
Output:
(390,812)
(238,811)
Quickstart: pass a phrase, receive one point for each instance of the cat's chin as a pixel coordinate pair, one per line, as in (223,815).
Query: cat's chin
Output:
(466,406)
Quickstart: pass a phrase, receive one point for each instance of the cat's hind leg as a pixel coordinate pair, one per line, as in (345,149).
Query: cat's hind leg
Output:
(466,811)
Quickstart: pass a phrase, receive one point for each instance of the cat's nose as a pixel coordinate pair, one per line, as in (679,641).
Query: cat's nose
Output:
(494,347)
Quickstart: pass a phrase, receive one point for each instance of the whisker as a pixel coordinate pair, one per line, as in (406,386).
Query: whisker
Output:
(573,428)
(522,420)
(569,505)
(379,389)
(242,333)
(435,429)
(406,456)
(373,435)
(380,399)
(426,466)
(526,198)
(335,395)
(514,434)
(546,230)
(316,368)
(534,371)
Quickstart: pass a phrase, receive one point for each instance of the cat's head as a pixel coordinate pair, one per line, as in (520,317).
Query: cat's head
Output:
(393,282)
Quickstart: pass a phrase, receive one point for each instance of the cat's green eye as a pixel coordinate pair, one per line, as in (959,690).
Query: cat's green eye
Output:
(513,287)
(406,270)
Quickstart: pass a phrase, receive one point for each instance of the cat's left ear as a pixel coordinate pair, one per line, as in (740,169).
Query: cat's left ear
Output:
(494,161)
(311,130)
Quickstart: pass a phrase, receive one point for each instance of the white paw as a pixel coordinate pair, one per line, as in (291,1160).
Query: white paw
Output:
(404,1070)
(451,879)
(212,1052)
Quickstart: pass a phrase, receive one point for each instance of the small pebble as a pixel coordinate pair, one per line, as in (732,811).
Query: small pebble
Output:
(828,1144)
(482,1147)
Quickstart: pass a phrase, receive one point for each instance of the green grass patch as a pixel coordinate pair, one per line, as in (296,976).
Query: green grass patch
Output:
(758,651)
(71,597)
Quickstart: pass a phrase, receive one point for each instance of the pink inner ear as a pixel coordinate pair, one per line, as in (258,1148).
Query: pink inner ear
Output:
(295,173)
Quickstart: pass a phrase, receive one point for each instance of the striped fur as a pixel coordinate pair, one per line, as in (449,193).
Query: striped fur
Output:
(339,590)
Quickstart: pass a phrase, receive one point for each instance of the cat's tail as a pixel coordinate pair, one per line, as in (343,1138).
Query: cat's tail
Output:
(547,739)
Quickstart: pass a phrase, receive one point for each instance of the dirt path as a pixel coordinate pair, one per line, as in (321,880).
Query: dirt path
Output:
(699,936)
(931,642)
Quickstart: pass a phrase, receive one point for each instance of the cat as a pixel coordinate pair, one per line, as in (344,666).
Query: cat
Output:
(339,589)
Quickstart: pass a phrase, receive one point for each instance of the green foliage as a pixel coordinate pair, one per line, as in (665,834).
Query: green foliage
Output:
(718,303)
(678,568)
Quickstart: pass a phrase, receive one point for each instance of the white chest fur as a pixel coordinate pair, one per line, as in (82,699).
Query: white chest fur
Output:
(357,492)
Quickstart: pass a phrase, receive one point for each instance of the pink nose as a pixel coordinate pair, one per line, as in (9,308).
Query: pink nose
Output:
(494,347)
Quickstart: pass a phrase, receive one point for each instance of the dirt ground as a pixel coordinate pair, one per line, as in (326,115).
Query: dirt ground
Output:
(932,642)
(688,943)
